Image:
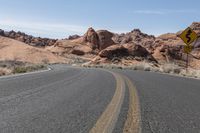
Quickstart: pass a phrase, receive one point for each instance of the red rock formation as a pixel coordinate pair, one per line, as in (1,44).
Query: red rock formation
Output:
(105,39)
(91,38)
(28,39)
(81,50)
(112,51)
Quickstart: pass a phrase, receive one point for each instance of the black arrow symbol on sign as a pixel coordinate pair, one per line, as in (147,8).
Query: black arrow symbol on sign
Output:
(188,35)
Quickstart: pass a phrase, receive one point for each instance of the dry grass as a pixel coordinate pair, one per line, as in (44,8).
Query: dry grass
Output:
(4,71)
(13,67)
(175,69)
(140,66)
(30,68)
(190,73)
(169,68)
(143,66)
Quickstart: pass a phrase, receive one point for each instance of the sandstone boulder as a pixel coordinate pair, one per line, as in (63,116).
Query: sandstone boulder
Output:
(114,51)
(174,52)
(105,39)
(81,50)
(91,38)
(77,52)
(136,50)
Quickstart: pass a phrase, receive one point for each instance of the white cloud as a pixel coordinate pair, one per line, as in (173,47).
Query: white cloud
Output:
(43,29)
(163,12)
(50,30)
(148,12)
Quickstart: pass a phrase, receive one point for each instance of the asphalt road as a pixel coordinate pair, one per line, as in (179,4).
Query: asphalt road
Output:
(64,100)
(168,104)
(74,100)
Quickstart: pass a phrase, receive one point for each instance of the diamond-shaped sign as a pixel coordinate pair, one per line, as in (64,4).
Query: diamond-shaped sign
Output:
(188,36)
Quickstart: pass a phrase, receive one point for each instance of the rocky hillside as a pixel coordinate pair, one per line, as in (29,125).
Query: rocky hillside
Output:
(136,37)
(169,48)
(103,46)
(28,39)
(12,50)
(136,46)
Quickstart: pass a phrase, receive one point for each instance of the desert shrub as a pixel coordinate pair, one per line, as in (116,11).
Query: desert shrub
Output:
(177,70)
(147,69)
(191,73)
(142,66)
(2,72)
(171,68)
(24,69)
(20,70)
(166,69)
(4,65)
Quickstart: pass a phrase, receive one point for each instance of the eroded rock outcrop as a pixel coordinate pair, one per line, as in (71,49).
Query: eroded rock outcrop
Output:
(105,39)
(126,50)
(136,36)
(28,39)
(114,51)
(81,50)
(137,50)
(98,39)
(91,38)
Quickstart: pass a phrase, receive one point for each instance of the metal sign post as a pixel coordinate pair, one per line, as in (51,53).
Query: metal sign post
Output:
(187,62)
(188,36)
(187,50)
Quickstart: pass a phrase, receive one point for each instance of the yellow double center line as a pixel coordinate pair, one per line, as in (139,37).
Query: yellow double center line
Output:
(133,122)
(107,121)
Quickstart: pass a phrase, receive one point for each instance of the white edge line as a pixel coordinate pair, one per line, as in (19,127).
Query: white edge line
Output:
(22,74)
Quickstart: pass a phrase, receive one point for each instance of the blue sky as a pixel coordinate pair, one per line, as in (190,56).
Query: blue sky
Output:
(60,18)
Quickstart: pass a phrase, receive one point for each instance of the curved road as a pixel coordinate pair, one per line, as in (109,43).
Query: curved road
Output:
(168,104)
(78,100)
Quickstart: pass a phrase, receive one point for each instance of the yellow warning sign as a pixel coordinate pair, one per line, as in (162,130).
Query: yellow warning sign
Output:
(188,36)
(187,49)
